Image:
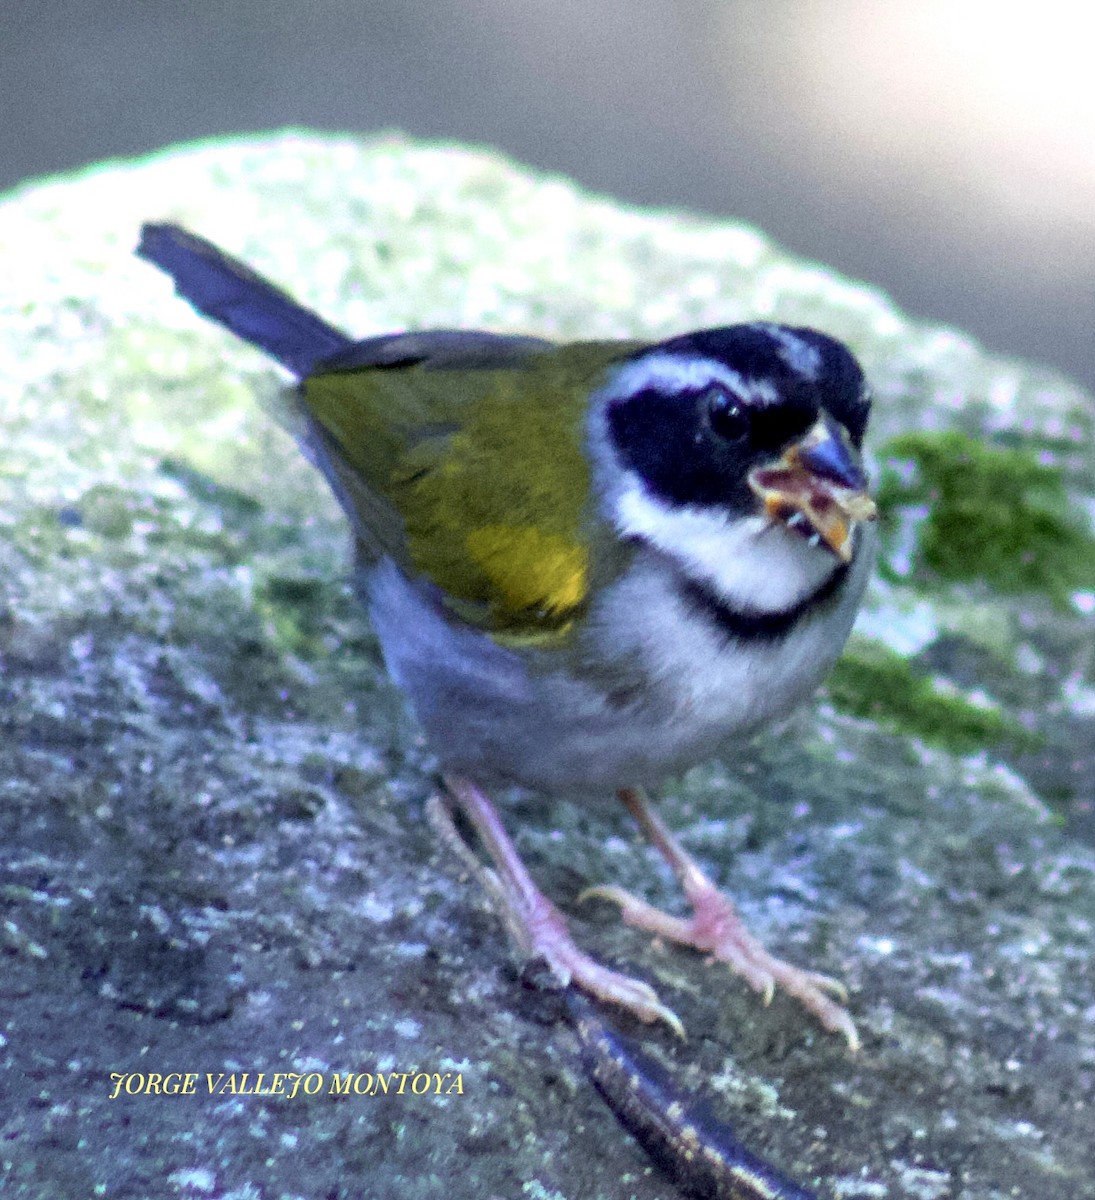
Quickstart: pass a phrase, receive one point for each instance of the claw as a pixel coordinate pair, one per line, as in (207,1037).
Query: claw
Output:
(663,1013)
(608,891)
(834,987)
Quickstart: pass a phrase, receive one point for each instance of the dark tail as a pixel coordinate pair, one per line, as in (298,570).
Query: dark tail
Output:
(231,293)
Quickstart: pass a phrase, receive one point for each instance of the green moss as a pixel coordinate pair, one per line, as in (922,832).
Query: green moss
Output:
(110,511)
(996,514)
(873,681)
(295,612)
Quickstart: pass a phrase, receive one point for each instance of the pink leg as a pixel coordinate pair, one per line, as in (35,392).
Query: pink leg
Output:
(716,928)
(534,922)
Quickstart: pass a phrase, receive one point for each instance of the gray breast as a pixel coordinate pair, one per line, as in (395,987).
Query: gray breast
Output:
(652,688)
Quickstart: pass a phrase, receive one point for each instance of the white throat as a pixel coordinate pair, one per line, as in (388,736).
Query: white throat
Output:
(751,563)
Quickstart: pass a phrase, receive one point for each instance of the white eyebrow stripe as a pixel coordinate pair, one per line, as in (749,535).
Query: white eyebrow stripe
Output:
(797,353)
(674,373)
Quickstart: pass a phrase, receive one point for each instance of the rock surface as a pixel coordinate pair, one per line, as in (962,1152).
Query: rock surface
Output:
(215,858)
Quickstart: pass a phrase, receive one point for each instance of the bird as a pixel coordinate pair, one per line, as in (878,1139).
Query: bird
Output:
(590,566)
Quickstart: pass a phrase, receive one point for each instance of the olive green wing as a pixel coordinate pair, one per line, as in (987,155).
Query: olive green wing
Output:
(462,456)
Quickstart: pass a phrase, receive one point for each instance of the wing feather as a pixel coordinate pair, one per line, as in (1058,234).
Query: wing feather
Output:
(462,457)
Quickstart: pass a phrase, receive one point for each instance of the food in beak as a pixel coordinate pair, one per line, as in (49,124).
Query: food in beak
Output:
(817,488)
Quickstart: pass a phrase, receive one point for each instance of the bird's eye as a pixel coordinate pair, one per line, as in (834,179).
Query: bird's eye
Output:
(729,418)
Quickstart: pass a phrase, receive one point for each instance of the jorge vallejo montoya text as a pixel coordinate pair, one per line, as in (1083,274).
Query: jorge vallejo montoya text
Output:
(287,1083)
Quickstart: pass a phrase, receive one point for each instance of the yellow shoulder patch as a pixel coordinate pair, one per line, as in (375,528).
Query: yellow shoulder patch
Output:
(528,569)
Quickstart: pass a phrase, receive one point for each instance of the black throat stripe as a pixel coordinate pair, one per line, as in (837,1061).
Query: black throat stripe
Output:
(751,625)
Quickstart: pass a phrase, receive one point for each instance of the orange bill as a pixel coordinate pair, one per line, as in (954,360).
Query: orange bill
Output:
(817,488)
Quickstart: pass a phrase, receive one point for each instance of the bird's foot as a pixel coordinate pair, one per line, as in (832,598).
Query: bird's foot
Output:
(716,929)
(544,934)
(534,923)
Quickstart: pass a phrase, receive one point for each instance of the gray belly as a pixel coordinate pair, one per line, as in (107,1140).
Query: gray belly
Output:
(662,689)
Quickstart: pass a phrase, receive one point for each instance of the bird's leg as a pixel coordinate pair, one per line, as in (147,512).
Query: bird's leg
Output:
(534,923)
(717,930)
